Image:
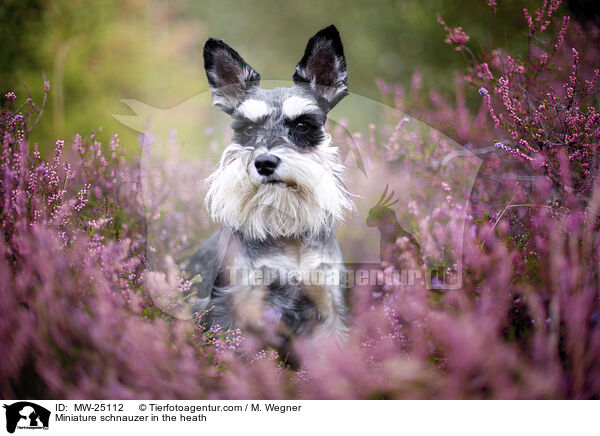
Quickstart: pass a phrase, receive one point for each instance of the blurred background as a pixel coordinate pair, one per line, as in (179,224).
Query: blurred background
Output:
(97,53)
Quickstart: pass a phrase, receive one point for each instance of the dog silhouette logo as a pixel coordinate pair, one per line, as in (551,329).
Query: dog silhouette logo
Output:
(26,415)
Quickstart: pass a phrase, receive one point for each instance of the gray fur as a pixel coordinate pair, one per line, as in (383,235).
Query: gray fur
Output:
(277,226)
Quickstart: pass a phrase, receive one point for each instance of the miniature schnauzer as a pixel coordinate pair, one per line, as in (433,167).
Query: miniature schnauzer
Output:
(273,267)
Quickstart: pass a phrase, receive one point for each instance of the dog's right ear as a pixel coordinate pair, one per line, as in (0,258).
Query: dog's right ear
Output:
(229,76)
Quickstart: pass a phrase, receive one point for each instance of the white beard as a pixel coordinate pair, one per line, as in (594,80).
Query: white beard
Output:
(310,200)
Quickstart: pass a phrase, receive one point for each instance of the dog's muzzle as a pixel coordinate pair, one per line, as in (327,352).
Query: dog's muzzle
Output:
(266,164)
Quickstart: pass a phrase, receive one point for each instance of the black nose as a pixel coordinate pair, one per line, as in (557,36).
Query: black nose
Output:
(266,163)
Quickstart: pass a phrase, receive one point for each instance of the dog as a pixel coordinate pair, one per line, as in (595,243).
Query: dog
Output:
(273,267)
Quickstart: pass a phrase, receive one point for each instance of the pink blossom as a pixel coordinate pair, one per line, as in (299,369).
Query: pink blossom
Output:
(456,35)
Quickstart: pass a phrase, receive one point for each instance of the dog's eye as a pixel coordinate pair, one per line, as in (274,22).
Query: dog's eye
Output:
(249,130)
(301,127)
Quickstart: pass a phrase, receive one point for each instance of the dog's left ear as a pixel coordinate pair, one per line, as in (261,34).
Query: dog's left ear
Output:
(229,76)
(323,68)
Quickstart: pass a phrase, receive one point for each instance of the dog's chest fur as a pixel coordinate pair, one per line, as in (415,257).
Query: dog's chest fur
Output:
(281,287)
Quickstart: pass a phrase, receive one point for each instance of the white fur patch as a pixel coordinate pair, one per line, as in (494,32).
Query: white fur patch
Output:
(295,106)
(254,109)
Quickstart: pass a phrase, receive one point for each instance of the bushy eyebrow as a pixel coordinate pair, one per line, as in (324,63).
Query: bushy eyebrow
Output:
(253,109)
(295,106)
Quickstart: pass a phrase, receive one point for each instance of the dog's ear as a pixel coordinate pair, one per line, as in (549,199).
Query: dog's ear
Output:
(229,76)
(323,68)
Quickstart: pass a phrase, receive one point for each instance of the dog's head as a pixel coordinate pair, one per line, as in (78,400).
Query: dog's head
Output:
(280,177)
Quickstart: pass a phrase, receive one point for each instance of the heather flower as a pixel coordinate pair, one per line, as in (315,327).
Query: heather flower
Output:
(560,40)
(456,35)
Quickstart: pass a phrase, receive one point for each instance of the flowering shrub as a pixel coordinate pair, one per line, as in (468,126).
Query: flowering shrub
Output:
(542,106)
(76,320)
